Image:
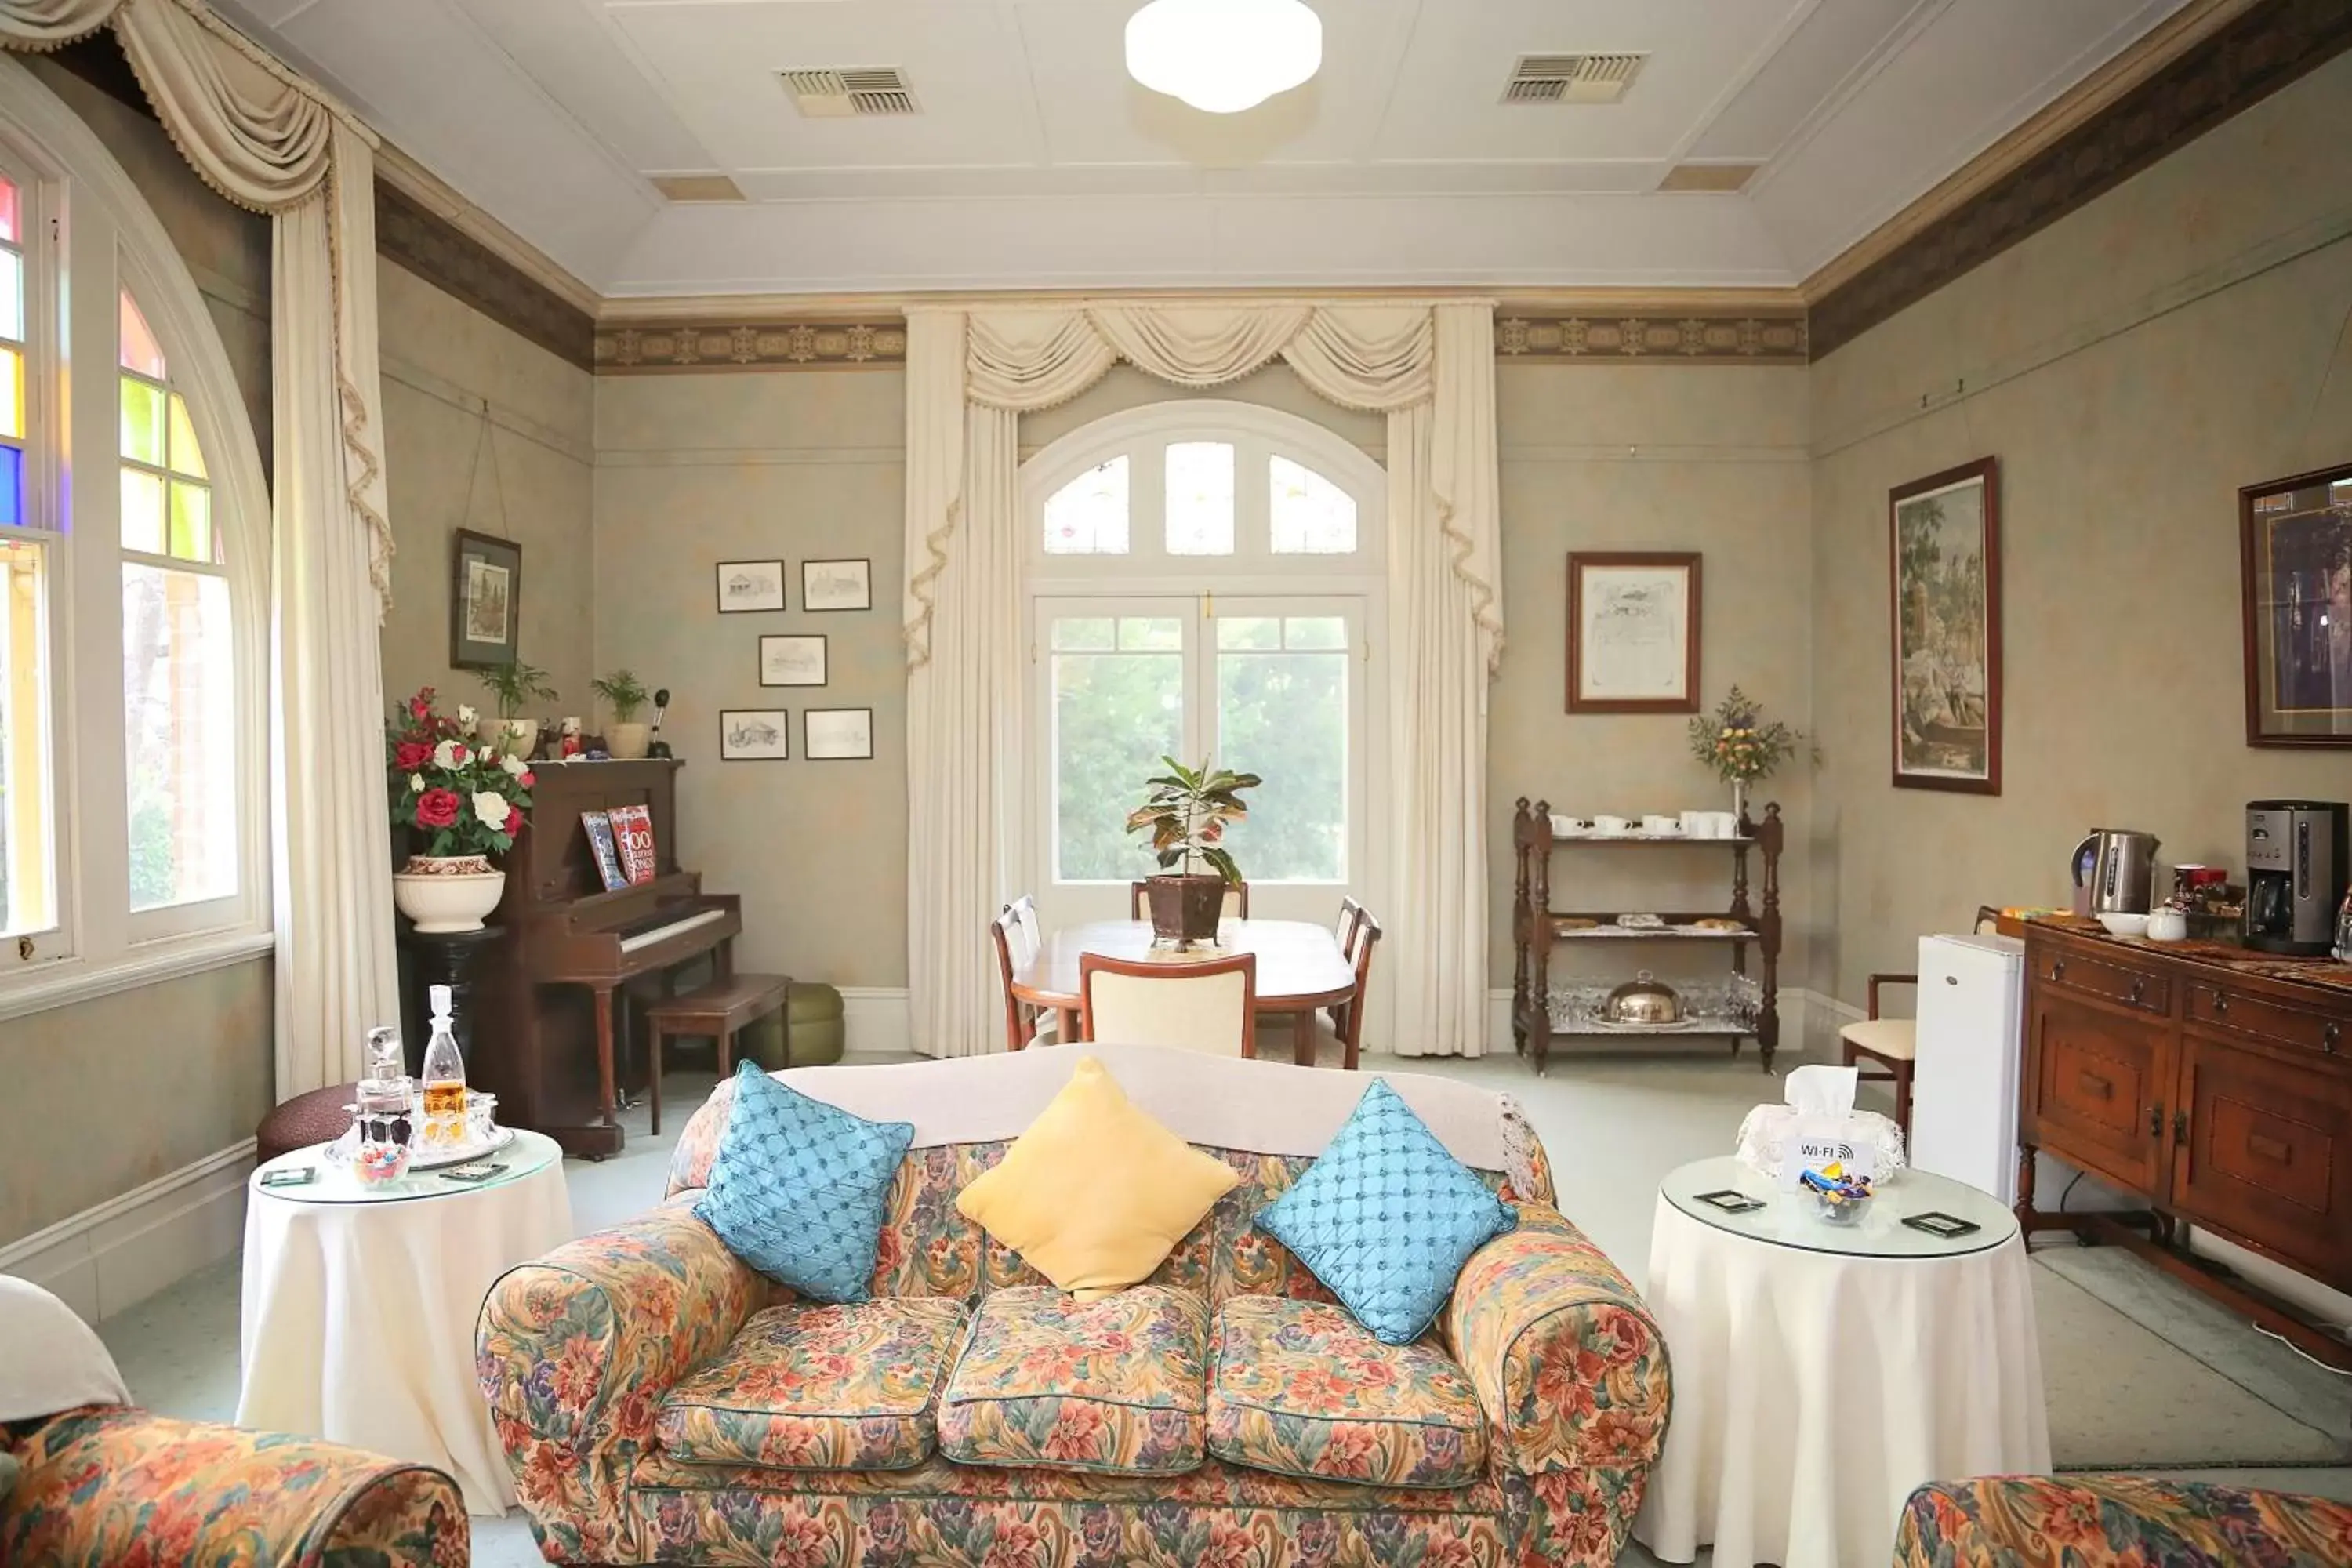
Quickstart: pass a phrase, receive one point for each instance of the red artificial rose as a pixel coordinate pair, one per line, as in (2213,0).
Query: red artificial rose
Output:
(459,756)
(438,809)
(421,704)
(411,755)
(528,779)
(514,820)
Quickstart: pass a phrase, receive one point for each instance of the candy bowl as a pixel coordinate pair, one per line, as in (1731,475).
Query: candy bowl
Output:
(1838,1198)
(377,1160)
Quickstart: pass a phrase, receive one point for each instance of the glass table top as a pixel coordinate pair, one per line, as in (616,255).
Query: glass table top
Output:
(1789,1218)
(530,1153)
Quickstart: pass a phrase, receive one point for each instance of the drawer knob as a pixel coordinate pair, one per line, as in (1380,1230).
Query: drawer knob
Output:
(2156,1121)
(2220,1004)
(2138,990)
(2331,1036)
(2057,969)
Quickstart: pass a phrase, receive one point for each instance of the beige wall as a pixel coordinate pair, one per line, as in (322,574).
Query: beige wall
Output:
(2131,367)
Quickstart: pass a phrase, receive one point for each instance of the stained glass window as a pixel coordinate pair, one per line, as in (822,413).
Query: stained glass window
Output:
(13,417)
(167,503)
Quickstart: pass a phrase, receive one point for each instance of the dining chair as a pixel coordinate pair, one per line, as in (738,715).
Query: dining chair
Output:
(1208,1006)
(1351,1019)
(1894,1043)
(1351,914)
(1024,1026)
(1138,902)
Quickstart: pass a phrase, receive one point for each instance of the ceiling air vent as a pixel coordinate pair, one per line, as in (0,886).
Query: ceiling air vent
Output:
(850,90)
(1573,78)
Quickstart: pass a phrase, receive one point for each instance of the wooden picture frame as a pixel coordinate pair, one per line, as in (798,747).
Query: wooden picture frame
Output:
(750,587)
(827,586)
(846,736)
(755,734)
(484,600)
(1633,625)
(2295,583)
(1943,575)
(784,660)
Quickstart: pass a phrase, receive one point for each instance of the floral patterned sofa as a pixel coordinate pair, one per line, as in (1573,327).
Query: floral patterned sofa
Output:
(2118,1521)
(660,1402)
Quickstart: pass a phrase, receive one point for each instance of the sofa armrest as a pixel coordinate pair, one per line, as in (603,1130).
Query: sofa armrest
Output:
(2000,1520)
(1568,1365)
(111,1484)
(576,1349)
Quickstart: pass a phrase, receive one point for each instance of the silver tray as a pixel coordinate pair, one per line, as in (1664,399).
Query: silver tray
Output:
(339,1153)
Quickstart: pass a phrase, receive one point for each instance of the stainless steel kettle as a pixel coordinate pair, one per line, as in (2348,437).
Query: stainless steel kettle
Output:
(2123,870)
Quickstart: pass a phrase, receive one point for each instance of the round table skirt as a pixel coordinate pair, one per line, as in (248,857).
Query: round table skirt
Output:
(358,1320)
(1813,1392)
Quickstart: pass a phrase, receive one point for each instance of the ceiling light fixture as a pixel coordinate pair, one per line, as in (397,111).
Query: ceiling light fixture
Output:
(1224,56)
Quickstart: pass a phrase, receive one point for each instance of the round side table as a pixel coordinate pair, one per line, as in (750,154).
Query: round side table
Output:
(1821,1371)
(360,1305)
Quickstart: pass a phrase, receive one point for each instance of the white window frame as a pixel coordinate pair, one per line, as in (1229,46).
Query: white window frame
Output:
(89,236)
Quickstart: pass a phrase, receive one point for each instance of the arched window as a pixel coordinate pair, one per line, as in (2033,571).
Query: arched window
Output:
(133,766)
(1206,580)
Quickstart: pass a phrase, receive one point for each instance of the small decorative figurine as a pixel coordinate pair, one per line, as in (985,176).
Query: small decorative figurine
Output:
(571,739)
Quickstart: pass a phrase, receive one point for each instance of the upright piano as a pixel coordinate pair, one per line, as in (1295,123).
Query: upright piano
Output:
(552,998)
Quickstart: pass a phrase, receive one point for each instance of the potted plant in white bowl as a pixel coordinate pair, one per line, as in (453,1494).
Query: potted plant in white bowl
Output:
(626,740)
(517,686)
(1186,815)
(465,803)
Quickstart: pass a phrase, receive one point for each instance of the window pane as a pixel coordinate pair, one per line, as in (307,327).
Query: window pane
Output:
(178,676)
(1085,632)
(7,210)
(1200,498)
(192,523)
(140,352)
(1151,634)
(12,393)
(12,486)
(1312,516)
(12,296)
(1283,716)
(26,871)
(1089,515)
(187,457)
(142,511)
(1249,631)
(1115,716)
(142,422)
(1316,631)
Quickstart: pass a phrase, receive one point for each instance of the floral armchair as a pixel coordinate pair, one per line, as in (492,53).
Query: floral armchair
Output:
(2118,1521)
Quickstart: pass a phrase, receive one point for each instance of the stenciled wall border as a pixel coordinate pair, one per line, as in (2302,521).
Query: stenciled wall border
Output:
(1721,337)
(671,346)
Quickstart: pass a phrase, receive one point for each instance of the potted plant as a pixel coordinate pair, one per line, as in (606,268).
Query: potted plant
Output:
(466,802)
(516,686)
(625,739)
(1741,748)
(1186,813)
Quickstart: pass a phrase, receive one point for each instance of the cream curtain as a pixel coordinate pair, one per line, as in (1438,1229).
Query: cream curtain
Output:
(1430,368)
(268,140)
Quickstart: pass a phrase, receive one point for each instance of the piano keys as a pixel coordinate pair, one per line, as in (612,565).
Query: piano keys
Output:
(553,1010)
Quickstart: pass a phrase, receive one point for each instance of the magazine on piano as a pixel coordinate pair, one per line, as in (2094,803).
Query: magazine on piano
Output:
(606,850)
(632,828)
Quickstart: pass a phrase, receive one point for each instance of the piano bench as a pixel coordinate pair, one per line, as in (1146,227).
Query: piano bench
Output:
(718,1010)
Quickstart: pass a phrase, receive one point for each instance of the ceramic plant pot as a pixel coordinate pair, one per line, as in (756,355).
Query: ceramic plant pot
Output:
(627,742)
(444,893)
(517,736)
(1184,910)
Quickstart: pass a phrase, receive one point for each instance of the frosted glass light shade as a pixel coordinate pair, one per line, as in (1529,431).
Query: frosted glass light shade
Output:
(1224,56)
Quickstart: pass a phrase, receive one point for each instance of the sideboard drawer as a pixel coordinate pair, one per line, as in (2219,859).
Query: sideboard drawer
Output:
(2259,1017)
(2147,989)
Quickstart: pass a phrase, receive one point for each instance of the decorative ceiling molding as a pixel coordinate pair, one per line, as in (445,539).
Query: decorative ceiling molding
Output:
(2208,62)
(461,266)
(427,190)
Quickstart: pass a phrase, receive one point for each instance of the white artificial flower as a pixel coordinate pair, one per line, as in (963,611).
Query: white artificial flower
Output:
(515,766)
(416,784)
(468,719)
(449,755)
(492,807)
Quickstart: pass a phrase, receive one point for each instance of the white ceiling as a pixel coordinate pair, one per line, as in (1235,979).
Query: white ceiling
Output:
(1036,162)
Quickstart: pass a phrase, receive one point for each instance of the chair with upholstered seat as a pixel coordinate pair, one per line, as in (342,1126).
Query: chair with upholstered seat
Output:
(1236,905)
(1894,1043)
(1208,1005)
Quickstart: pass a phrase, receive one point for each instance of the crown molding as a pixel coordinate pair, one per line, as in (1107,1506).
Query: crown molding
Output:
(436,197)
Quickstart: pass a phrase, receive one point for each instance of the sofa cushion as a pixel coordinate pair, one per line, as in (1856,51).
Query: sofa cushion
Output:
(1117,1384)
(1386,1217)
(1301,1389)
(820,1388)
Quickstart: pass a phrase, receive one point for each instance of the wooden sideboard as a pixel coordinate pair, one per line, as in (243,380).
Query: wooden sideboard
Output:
(2216,1086)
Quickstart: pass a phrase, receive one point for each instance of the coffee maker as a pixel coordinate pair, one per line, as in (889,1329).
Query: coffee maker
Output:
(2296,864)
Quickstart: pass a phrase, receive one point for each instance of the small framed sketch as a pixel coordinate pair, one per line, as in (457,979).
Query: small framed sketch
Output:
(792,661)
(2296,536)
(754,734)
(1943,551)
(485,601)
(837,734)
(836,586)
(747,586)
(1632,632)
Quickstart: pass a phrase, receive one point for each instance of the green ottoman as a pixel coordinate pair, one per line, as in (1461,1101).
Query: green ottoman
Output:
(812,1017)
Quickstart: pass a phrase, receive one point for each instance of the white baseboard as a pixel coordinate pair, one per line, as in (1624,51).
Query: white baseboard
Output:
(875,1018)
(1808,1022)
(115,1256)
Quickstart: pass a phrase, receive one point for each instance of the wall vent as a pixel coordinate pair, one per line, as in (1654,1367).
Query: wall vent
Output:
(846,91)
(1573,78)
(698,187)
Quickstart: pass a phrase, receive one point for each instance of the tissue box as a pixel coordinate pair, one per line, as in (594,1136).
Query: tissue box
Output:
(1765,1134)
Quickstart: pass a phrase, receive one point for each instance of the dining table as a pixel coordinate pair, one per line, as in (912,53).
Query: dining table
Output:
(1300,968)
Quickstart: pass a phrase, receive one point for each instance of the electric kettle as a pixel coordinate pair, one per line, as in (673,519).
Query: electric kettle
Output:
(2122,865)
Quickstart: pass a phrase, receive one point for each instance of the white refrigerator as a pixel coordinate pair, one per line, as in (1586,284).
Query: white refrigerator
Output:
(1970,1044)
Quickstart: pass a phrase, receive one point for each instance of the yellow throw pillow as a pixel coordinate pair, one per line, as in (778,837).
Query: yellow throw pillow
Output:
(1095,1192)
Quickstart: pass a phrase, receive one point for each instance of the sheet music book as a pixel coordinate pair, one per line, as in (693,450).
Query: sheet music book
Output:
(606,850)
(632,827)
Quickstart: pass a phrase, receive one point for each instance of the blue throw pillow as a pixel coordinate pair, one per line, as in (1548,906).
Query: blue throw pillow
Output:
(1386,1217)
(798,1187)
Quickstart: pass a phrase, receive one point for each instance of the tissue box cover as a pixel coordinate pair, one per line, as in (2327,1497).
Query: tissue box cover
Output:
(1766,1131)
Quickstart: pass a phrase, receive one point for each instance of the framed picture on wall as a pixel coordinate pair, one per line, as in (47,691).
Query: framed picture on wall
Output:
(2296,548)
(749,587)
(792,661)
(1632,632)
(754,734)
(1943,543)
(836,586)
(837,734)
(485,601)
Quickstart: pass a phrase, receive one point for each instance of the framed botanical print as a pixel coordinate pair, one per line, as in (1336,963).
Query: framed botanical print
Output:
(1632,632)
(1944,585)
(484,600)
(2296,550)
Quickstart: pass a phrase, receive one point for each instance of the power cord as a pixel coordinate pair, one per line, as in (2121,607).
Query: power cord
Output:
(2274,1335)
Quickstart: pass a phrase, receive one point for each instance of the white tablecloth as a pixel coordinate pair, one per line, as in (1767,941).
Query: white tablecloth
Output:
(1813,1391)
(359,1317)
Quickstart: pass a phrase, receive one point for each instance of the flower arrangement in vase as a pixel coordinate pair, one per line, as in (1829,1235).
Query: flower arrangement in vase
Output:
(467,801)
(1740,747)
(1186,813)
